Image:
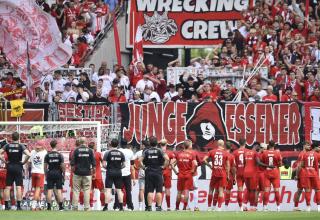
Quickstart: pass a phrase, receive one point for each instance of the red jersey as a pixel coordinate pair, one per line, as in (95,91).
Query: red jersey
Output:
(250,168)
(196,156)
(219,159)
(239,160)
(310,161)
(272,158)
(185,163)
(232,162)
(71,15)
(3,166)
(261,169)
(270,98)
(168,170)
(98,157)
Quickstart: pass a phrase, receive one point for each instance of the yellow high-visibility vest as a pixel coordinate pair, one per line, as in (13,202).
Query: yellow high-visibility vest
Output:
(285,174)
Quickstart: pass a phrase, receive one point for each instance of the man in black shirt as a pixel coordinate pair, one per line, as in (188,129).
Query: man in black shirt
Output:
(113,162)
(15,164)
(83,166)
(154,160)
(54,169)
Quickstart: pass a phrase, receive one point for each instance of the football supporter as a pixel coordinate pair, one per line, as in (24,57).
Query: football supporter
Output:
(83,165)
(15,151)
(55,171)
(97,182)
(220,172)
(37,173)
(310,180)
(113,162)
(187,164)
(153,160)
(271,157)
(167,172)
(239,162)
(232,178)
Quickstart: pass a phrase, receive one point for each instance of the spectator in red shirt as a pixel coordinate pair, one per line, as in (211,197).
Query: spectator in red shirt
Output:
(117,97)
(315,97)
(287,96)
(270,97)
(10,81)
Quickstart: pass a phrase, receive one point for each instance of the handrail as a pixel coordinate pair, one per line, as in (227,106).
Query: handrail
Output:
(98,40)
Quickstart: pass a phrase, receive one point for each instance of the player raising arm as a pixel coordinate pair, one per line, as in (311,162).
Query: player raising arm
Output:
(14,168)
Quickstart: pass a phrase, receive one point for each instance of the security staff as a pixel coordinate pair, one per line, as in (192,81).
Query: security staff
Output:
(54,169)
(114,162)
(83,166)
(153,160)
(15,164)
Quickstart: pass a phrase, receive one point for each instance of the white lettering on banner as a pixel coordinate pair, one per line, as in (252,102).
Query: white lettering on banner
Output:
(211,30)
(315,116)
(198,6)
(287,192)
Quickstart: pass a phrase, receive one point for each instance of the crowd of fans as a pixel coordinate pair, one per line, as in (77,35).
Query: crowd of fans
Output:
(275,32)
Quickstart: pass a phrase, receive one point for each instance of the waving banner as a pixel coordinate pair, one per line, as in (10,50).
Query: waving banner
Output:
(205,123)
(184,23)
(22,23)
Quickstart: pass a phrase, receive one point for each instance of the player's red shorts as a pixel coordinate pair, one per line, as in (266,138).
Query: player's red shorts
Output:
(251,182)
(37,180)
(274,181)
(230,184)
(3,176)
(310,182)
(97,184)
(185,183)
(240,180)
(218,181)
(261,181)
(167,181)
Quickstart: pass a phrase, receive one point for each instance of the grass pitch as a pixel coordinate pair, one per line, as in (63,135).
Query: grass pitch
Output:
(68,215)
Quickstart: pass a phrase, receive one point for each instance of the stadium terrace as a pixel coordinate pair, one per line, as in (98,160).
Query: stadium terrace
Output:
(192,6)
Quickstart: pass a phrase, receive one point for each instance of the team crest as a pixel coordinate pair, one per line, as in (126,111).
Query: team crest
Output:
(158,28)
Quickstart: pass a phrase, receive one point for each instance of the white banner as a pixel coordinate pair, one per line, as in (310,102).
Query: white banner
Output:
(221,75)
(287,192)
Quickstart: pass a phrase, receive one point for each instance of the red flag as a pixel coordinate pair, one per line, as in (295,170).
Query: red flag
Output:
(306,16)
(117,40)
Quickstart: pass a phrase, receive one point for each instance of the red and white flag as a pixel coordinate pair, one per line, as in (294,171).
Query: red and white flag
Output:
(22,23)
(137,50)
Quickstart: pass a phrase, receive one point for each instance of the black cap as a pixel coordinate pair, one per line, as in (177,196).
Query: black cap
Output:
(67,84)
(190,78)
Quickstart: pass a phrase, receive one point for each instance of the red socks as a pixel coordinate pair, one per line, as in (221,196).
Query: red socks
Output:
(210,200)
(308,198)
(277,197)
(168,201)
(220,201)
(240,198)
(266,198)
(102,199)
(227,198)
